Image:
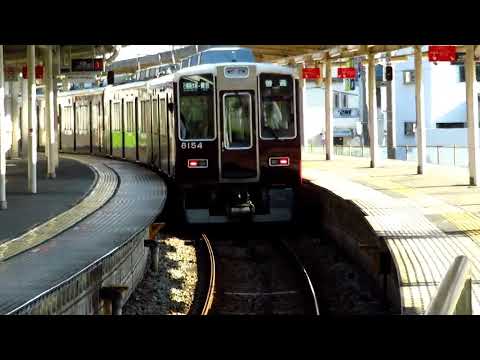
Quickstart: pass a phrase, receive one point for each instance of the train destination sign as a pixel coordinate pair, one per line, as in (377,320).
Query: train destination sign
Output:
(196,84)
(346,73)
(87,65)
(442,53)
(311,73)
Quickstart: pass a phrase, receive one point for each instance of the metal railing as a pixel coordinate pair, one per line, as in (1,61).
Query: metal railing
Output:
(439,155)
(454,296)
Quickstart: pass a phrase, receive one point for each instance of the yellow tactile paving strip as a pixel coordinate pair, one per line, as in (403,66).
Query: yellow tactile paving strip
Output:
(102,191)
(396,201)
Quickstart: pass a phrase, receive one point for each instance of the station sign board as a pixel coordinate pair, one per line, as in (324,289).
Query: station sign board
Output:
(79,65)
(39,70)
(311,73)
(442,53)
(11,73)
(346,73)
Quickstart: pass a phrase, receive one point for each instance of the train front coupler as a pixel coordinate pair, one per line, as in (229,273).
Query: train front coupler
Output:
(240,205)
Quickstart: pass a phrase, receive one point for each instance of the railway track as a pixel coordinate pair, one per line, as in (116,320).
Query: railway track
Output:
(261,276)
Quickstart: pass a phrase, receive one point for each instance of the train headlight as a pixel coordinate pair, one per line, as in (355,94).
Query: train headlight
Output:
(197,163)
(279,161)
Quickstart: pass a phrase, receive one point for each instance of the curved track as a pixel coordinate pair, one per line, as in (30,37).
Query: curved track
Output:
(253,277)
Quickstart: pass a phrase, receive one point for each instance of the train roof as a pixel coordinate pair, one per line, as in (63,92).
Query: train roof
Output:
(92,91)
(193,70)
(212,68)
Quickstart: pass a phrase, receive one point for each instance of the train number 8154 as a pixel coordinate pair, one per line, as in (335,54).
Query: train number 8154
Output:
(191,145)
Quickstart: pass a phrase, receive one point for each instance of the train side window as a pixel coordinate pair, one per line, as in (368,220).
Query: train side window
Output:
(148,114)
(95,116)
(277,107)
(67,120)
(130,117)
(116,116)
(141,125)
(163,117)
(155,115)
(82,119)
(194,60)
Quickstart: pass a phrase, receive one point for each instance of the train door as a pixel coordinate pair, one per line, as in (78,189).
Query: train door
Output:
(90,116)
(108,128)
(155,133)
(130,128)
(171,137)
(116,129)
(144,131)
(237,125)
(41,132)
(148,129)
(59,127)
(96,127)
(238,156)
(67,138)
(163,133)
(82,126)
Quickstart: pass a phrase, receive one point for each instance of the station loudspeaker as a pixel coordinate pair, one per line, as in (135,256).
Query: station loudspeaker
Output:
(110,78)
(389,73)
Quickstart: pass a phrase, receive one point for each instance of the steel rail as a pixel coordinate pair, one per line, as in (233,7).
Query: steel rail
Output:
(309,289)
(211,270)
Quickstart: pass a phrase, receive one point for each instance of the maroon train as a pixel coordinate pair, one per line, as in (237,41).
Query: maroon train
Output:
(227,135)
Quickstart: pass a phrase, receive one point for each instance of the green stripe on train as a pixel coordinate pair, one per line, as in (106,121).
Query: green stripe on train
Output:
(130,141)
(116,139)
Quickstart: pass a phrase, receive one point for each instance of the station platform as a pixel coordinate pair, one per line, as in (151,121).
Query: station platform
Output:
(425,221)
(123,199)
(25,210)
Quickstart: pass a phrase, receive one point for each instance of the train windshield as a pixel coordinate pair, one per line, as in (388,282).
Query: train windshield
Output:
(277,112)
(221,56)
(196,108)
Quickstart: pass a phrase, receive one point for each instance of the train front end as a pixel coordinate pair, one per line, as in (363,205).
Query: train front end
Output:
(237,142)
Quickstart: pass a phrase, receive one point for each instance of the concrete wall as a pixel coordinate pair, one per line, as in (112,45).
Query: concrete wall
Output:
(80,294)
(345,222)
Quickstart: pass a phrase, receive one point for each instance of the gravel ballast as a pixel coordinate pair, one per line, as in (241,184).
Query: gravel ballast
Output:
(171,290)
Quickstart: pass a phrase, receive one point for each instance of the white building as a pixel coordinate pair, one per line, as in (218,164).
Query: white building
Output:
(445,103)
(347,127)
(444,106)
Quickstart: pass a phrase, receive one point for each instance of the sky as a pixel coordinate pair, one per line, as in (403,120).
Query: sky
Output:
(132,51)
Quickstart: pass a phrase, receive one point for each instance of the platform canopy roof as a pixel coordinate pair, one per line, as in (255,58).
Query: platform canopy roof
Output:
(281,54)
(17,54)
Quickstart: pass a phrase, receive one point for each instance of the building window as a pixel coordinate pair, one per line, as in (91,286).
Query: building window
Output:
(452,125)
(336,101)
(409,77)
(461,71)
(410,128)
(345,101)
